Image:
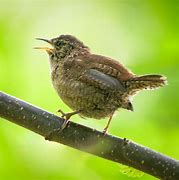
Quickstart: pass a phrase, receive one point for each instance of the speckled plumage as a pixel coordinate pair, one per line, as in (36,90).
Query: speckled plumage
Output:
(94,84)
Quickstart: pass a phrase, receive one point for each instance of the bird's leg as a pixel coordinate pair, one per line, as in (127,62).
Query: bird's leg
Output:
(107,126)
(66,117)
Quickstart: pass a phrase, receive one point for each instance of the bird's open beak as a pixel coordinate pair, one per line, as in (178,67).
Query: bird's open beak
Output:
(49,50)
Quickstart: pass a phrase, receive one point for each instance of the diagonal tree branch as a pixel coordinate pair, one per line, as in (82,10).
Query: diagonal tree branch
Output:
(87,139)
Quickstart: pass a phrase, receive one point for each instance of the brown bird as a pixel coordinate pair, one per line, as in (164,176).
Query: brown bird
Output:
(91,85)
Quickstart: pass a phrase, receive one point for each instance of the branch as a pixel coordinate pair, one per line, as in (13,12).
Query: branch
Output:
(88,140)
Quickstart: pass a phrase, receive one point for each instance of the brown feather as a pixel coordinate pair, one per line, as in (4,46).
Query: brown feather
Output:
(107,65)
(138,83)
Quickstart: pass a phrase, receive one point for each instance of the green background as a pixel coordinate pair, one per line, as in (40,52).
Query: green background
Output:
(143,35)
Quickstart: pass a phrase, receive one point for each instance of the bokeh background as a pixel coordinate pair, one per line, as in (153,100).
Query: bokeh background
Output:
(143,35)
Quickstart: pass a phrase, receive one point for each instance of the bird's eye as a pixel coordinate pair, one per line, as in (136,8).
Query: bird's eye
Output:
(60,43)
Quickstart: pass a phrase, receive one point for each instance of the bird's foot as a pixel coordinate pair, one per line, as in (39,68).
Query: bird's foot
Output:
(66,117)
(58,130)
(107,126)
(105,131)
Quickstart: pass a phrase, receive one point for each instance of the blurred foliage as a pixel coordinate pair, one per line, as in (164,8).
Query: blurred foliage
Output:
(143,35)
(130,171)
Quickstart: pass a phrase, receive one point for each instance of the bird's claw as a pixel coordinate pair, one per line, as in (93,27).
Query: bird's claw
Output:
(67,116)
(63,114)
(105,131)
(59,130)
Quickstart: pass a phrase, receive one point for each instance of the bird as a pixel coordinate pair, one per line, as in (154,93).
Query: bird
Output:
(93,86)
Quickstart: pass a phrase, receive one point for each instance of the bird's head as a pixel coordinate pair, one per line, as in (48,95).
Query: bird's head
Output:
(62,46)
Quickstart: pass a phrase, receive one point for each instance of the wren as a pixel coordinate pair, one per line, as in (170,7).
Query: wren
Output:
(92,85)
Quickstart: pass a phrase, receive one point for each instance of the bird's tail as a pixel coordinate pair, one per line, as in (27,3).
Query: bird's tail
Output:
(138,83)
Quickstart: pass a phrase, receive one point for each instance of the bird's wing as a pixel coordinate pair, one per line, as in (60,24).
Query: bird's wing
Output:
(100,80)
(107,66)
(100,71)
